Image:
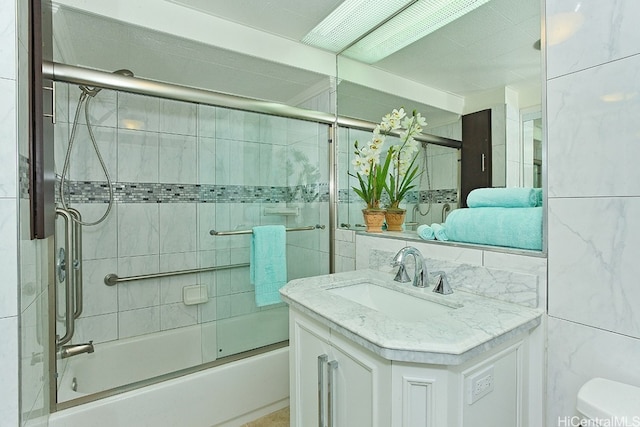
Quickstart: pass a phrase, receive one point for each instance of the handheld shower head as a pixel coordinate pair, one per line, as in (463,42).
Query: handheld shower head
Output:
(93,91)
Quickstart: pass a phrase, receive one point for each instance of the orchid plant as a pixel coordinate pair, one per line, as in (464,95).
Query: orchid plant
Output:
(399,163)
(370,173)
(403,160)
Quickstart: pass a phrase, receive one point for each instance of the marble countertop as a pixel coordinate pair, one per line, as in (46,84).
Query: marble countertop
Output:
(475,326)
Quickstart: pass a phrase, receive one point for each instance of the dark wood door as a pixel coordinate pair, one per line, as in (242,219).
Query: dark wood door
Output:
(475,168)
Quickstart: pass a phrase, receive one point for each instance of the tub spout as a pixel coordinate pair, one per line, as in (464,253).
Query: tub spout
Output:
(75,349)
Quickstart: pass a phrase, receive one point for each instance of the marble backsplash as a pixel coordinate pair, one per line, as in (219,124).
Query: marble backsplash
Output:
(505,285)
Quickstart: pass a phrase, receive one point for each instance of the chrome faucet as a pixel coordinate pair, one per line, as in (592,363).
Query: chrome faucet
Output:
(75,349)
(420,274)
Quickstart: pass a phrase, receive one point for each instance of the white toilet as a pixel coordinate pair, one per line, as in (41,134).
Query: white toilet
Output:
(609,403)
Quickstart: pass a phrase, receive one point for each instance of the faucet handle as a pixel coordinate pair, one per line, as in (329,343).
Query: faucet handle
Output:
(442,284)
(401,275)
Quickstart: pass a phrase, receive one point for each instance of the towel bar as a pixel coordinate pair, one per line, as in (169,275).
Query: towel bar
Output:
(231,233)
(113,279)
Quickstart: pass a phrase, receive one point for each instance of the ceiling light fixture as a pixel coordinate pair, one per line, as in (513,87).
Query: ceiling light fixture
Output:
(424,17)
(350,21)
(403,28)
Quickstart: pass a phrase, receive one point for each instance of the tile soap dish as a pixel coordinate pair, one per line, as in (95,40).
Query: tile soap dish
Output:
(195,294)
(282,211)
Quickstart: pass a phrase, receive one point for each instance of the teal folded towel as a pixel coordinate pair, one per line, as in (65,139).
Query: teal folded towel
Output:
(268,263)
(440,232)
(505,198)
(538,192)
(511,227)
(425,232)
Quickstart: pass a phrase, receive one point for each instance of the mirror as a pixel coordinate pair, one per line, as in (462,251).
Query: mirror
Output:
(438,184)
(483,60)
(96,41)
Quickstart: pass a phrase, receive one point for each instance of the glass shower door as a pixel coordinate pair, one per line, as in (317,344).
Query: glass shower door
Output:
(266,170)
(178,171)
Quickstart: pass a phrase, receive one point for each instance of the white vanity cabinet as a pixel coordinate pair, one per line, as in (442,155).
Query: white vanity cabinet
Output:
(335,382)
(338,383)
(428,395)
(402,357)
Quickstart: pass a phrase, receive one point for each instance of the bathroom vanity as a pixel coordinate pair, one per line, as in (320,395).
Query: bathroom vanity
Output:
(368,351)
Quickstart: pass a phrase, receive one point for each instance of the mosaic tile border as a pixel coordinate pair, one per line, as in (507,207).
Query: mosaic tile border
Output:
(130,192)
(23,176)
(424,196)
(136,192)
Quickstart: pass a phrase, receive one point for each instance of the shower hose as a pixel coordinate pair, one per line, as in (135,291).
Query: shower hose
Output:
(85,98)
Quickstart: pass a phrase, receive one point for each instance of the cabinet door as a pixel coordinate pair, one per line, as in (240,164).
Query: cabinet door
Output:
(308,342)
(362,386)
(475,170)
(334,382)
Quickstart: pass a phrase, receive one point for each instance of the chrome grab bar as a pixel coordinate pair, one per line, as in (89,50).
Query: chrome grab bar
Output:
(445,211)
(69,318)
(77,260)
(232,233)
(113,279)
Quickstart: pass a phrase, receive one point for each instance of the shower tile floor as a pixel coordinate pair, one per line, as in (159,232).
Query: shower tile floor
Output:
(275,419)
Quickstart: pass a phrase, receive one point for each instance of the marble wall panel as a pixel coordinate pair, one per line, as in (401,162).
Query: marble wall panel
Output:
(585,34)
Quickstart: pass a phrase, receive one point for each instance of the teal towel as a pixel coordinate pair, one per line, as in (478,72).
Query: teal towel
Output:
(425,232)
(538,192)
(440,232)
(511,227)
(268,263)
(504,197)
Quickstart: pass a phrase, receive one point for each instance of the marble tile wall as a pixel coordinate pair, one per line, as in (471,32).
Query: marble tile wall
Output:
(179,171)
(577,353)
(345,250)
(9,309)
(33,263)
(24,288)
(592,109)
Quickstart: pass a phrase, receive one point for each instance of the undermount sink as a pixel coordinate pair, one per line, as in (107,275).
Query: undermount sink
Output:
(392,303)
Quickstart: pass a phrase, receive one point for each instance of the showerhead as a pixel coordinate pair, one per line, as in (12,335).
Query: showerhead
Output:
(93,91)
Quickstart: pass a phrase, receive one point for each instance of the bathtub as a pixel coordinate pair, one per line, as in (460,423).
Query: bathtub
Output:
(226,395)
(111,364)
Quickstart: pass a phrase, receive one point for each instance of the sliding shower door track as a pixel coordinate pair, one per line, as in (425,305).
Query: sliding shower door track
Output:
(95,78)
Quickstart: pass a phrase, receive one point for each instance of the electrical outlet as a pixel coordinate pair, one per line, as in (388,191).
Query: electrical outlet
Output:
(480,384)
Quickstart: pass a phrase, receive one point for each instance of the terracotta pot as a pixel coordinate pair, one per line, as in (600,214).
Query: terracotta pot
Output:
(373,219)
(395,219)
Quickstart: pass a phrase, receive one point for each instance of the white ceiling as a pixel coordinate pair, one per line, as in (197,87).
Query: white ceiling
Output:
(97,42)
(488,49)
(292,19)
